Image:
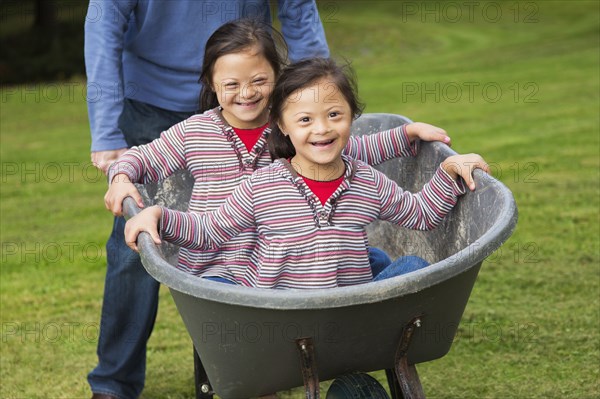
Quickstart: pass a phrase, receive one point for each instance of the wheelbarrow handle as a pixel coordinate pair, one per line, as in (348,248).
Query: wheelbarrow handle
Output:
(130,208)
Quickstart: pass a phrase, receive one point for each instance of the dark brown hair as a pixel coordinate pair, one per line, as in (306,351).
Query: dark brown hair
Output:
(235,37)
(298,76)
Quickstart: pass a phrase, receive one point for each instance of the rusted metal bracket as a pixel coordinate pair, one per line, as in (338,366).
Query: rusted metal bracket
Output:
(403,380)
(309,367)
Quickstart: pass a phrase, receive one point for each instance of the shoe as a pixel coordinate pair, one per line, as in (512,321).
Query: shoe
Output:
(103,396)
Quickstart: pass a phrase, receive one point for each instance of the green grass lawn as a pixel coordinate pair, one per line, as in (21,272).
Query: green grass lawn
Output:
(517,82)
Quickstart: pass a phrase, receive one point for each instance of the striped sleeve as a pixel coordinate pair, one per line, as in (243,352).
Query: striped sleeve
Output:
(209,230)
(154,161)
(419,211)
(377,148)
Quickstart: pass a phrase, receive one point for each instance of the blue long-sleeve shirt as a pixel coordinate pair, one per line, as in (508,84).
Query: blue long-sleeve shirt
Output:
(151,51)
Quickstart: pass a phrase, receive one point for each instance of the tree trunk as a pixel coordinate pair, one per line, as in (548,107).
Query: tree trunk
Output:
(45,14)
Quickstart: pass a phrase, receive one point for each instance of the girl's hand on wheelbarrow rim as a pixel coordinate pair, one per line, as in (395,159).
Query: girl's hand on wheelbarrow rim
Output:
(145,221)
(426,132)
(463,165)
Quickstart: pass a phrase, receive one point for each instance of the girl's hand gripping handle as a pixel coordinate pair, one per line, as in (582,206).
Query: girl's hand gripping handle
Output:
(145,221)
(120,188)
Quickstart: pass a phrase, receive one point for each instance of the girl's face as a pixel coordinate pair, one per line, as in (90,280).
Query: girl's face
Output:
(243,83)
(317,120)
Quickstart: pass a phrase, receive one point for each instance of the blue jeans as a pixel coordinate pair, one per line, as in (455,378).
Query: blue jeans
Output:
(379,260)
(130,294)
(402,265)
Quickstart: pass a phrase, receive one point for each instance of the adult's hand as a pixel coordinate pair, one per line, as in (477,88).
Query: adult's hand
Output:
(103,159)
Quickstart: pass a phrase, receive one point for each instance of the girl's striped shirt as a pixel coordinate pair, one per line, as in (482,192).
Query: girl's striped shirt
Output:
(301,243)
(219,161)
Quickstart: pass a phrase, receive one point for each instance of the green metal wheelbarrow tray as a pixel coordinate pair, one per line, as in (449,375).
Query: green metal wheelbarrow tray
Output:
(251,342)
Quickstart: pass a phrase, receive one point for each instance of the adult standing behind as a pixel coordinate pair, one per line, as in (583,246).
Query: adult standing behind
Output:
(143,62)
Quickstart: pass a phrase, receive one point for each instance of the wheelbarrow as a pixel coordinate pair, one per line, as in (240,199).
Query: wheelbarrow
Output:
(251,342)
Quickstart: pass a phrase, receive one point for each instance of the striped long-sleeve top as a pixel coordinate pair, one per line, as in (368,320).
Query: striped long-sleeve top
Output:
(302,243)
(218,161)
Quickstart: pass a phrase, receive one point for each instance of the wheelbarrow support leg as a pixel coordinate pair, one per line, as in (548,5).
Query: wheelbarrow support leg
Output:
(403,380)
(203,388)
(309,367)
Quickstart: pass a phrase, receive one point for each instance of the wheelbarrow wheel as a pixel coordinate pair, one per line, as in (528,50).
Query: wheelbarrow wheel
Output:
(356,386)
